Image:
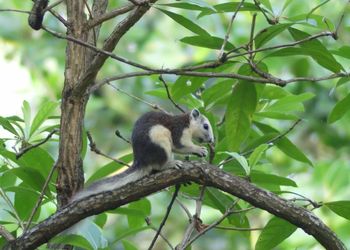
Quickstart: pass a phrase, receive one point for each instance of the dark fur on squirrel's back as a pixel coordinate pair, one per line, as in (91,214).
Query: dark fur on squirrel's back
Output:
(156,135)
(145,151)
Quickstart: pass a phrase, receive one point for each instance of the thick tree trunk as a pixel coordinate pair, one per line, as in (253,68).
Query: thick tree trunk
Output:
(69,164)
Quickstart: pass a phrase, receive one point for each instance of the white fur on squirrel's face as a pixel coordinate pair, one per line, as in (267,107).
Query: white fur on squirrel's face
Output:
(201,128)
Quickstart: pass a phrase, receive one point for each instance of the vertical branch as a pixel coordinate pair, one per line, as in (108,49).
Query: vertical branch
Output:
(227,36)
(177,188)
(69,163)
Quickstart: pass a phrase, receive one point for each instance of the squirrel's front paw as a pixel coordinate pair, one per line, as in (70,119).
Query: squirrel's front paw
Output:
(201,152)
(175,164)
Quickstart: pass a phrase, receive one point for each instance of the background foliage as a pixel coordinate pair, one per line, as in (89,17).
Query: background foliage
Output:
(313,161)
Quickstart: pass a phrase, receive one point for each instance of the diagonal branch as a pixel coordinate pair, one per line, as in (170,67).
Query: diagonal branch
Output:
(194,171)
(6,234)
(109,15)
(87,79)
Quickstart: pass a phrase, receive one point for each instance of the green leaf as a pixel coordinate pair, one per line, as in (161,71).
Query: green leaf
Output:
(240,159)
(343,51)
(275,232)
(239,111)
(37,159)
(143,208)
(267,4)
(101,219)
(128,245)
(342,81)
(186,85)
(44,112)
(186,6)
(284,144)
(262,178)
(187,23)
(290,103)
(272,92)
(27,118)
(269,33)
(340,109)
(25,201)
(256,155)
(74,240)
(220,201)
(341,208)
(109,168)
(217,92)
(7,125)
(276,115)
(7,179)
(228,7)
(315,8)
(210,42)
(30,177)
(90,232)
(129,232)
(286,4)
(317,51)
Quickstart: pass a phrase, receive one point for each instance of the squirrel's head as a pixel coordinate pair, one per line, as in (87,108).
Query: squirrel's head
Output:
(201,128)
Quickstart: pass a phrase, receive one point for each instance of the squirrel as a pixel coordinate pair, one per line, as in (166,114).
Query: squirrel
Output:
(155,136)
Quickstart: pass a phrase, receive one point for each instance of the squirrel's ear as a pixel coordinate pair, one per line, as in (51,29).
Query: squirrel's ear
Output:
(195,113)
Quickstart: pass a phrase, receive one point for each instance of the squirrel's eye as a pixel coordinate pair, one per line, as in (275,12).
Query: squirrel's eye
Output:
(206,126)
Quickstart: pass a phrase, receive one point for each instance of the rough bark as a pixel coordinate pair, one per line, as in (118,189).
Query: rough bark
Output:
(195,172)
(69,163)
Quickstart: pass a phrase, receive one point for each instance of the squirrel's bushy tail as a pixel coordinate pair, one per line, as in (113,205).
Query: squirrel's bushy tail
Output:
(132,174)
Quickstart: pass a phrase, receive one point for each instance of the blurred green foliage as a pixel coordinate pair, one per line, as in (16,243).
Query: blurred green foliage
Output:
(311,160)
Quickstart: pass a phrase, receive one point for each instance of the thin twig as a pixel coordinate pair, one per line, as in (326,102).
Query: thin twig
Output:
(53,5)
(194,221)
(149,223)
(251,62)
(189,70)
(6,234)
(227,213)
(187,212)
(336,32)
(222,56)
(26,149)
(270,143)
(14,10)
(154,106)
(94,48)
(313,203)
(109,15)
(118,134)
(91,17)
(59,18)
(249,79)
(93,148)
(169,95)
(177,188)
(239,228)
(269,20)
(312,37)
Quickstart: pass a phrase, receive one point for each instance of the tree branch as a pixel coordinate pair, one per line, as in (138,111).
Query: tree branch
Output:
(109,15)
(196,172)
(177,188)
(87,79)
(26,149)
(6,234)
